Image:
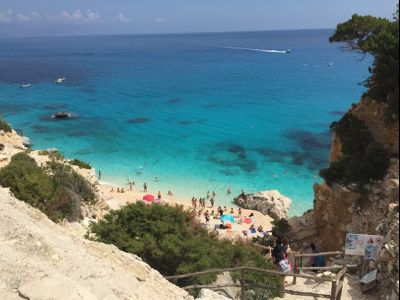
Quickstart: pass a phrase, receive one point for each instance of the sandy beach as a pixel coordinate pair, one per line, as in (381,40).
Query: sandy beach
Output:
(116,200)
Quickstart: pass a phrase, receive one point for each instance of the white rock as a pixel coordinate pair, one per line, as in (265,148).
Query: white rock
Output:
(271,203)
(206,294)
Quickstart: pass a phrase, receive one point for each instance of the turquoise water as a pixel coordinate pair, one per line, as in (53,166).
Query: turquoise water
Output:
(196,111)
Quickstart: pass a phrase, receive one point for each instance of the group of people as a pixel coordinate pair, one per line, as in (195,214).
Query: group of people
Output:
(280,253)
(118,190)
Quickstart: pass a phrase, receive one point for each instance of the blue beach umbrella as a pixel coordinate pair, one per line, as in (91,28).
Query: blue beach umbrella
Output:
(228,218)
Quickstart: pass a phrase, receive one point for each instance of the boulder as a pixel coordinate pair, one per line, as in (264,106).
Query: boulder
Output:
(210,295)
(271,203)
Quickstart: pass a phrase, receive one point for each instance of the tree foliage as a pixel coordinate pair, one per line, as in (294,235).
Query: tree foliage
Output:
(172,242)
(4,126)
(363,159)
(55,189)
(380,38)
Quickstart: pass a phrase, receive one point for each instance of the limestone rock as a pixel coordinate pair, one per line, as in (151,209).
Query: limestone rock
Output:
(271,203)
(210,295)
(230,292)
(43,260)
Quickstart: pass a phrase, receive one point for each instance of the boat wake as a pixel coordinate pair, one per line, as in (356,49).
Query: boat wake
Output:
(260,50)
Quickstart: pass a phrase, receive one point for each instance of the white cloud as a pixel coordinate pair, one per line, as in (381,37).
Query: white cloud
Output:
(121,18)
(160,20)
(6,17)
(23,18)
(77,16)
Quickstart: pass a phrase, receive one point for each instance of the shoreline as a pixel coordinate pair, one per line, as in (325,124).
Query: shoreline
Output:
(116,200)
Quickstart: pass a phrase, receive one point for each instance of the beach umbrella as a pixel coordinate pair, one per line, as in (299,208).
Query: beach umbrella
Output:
(247,220)
(228,218)
(148,198)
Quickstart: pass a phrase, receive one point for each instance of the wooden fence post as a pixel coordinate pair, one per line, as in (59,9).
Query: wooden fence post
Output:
(242,285)
(333,290)
(296,263)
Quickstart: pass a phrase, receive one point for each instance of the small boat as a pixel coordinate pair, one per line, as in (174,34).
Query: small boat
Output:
(26,85)
(60,80)
(330,64)
(288,51)
(61,115)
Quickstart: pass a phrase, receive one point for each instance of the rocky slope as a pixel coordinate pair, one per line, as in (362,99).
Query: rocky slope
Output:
(42,260)
(339,210)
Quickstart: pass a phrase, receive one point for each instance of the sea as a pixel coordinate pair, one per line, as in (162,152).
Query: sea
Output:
(189,113)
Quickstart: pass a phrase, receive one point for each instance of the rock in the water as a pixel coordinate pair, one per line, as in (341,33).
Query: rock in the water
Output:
(271,203)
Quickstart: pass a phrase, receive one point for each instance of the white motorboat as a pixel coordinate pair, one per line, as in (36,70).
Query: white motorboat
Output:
(60,80)
(26,85)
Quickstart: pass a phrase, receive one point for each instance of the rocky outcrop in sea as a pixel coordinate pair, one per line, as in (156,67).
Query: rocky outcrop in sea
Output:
(271,203)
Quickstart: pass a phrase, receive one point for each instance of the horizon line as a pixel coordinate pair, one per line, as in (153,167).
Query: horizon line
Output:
(159,33)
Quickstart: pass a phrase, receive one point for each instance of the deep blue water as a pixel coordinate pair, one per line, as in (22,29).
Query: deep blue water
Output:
(194,110)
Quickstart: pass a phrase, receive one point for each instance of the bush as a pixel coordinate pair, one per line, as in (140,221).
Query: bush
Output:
(80,164)
(53,154)
(363,159)
(58,194)
(4,126)
(170,241)
(281,227)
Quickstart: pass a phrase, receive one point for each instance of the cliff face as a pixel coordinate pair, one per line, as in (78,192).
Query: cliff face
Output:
(339,210)
(42,260)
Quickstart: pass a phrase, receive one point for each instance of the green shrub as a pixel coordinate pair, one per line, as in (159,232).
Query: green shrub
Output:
(281,227)
(4,126)
(56,191)
(170,241)
(80,164)
(54,154)
(363,159)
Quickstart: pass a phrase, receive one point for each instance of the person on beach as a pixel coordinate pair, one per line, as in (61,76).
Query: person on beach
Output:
(170,193)
(239,212)
(145,187)
(208,194)
(100,175)
(212,201)
(229,191)
(122,190)
(225,209)
(232,211)
(159,195)
(220,211)
(212,213)
(118,191)
(207,217)
(204,203)
(112,190)
(213,194)
(130,185)
(193,202)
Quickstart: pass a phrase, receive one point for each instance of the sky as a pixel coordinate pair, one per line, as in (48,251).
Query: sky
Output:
(81,17)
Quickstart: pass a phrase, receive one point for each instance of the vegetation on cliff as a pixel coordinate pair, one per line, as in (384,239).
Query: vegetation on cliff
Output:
(362,158)
(4,126)
(172,242)
(80,164)
(380,38)
(55,189)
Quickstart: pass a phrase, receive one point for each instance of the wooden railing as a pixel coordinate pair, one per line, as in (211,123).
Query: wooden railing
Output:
(336,289)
